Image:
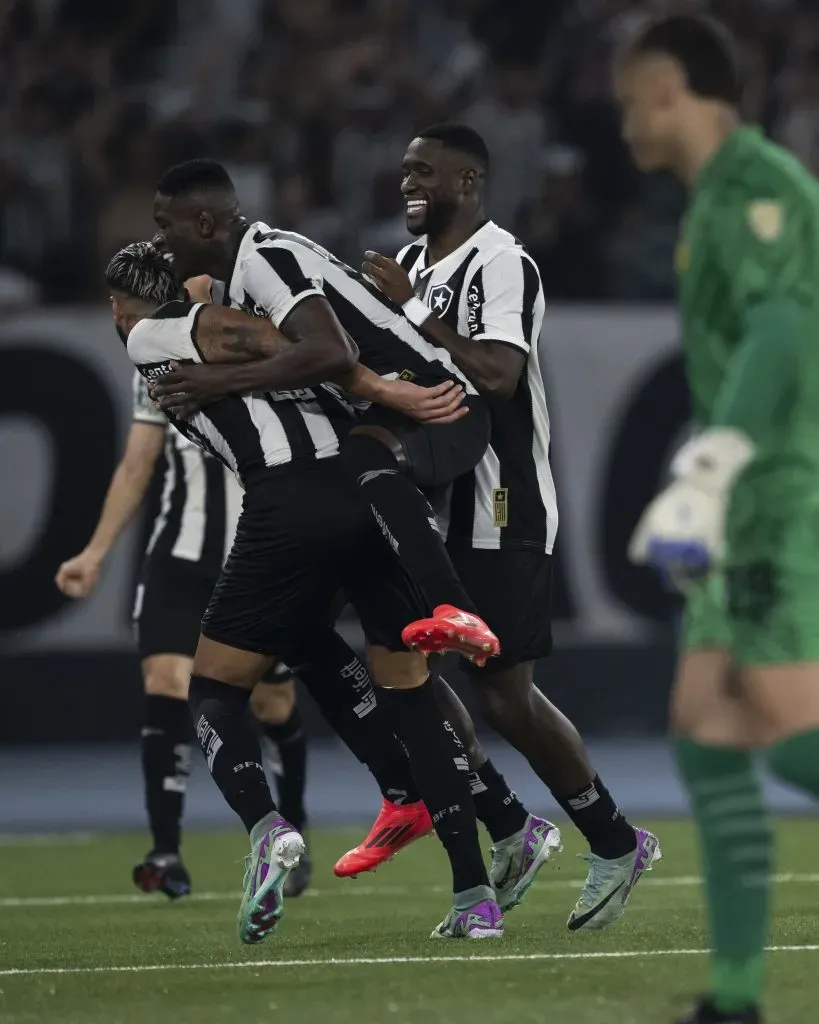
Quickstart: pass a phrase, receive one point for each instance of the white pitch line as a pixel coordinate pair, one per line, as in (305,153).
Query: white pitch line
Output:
(379,960)
(354,889)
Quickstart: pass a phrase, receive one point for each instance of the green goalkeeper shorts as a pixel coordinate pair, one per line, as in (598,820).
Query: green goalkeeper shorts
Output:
(761,613)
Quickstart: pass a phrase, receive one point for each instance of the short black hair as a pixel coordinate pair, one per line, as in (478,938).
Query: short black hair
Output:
(460,137)
(705,49)
(193,175)
(141,271)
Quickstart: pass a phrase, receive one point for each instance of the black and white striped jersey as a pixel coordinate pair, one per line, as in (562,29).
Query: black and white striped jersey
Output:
(276,270)
(200,498)
(247,434)
(489,289)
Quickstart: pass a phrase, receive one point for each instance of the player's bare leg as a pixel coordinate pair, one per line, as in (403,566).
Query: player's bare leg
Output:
(441,773)
(166,764)
(284,748)
(716,730)
(223,679)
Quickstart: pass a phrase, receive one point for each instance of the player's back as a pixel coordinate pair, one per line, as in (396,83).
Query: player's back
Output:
(750,247)
(277,269)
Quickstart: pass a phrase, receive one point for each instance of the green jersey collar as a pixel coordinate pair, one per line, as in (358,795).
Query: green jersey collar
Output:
(723,158)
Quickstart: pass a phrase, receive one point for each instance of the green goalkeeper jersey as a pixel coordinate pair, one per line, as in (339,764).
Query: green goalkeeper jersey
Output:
(748,266)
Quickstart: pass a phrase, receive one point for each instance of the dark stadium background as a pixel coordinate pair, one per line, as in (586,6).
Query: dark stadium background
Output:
(310,103)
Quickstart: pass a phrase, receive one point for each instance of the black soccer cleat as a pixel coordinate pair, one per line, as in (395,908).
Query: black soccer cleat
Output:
(299,878)
(706,1013)
(163,872)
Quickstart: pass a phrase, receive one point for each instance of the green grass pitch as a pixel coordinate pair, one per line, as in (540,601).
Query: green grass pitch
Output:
(79,946)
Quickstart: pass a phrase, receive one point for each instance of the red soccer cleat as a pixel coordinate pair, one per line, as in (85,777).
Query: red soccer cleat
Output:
(451,629)
(396,826)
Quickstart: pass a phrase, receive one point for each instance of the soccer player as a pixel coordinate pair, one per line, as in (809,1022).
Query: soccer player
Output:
(296,283)
(474,291)
(190,538)
(304,535)
(736,527)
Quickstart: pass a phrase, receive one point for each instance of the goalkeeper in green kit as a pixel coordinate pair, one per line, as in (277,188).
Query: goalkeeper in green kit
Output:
(738,527)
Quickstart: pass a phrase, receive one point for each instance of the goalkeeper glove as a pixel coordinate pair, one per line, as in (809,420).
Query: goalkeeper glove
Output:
(682,531)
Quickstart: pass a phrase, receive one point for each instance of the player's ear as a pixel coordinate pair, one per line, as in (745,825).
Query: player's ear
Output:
(469,181)
(206,224)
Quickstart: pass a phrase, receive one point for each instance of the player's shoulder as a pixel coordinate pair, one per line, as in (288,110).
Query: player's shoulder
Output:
(767,172)
(500,254)
(411,253)
(261,237)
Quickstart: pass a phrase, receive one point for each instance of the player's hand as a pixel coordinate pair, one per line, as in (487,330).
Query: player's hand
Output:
(79,575)
(680,534)
(198,288)
(441,404)
(188,387)
(389,276)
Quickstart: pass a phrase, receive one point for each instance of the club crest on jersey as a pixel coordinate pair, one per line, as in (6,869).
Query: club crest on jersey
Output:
(439,299)
(767,218)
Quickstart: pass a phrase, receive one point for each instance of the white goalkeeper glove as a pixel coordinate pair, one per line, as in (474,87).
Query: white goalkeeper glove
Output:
(682,531)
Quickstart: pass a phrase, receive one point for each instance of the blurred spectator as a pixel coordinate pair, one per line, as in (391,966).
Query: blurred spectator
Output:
(514,126)
(310,103)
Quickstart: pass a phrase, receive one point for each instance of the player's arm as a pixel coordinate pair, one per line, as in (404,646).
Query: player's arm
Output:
(766,256)
(129,484)
(495,353)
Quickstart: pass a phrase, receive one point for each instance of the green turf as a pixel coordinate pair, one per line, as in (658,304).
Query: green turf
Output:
(377,916)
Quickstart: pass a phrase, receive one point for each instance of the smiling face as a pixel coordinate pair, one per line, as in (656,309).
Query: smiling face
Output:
(185,231)
(436,182)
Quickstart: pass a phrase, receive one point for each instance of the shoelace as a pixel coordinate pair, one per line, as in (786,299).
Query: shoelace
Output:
(596,877)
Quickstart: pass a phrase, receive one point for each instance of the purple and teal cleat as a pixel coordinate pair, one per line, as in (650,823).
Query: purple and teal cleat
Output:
(483,920)
(610,883)
(517,860)
(276,848)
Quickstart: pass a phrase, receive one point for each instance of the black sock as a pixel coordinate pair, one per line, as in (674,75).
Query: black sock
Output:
(439,767)
(338,681)
(495,803)
(596,815)
(291,770)
(166,766)
(406,520)
(231,747)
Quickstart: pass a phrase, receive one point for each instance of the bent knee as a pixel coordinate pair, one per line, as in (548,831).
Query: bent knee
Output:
(273,703)
(167,675)
(397,670)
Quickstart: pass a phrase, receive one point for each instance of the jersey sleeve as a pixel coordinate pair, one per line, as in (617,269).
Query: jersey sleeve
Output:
(766,249)
(169,334)
(504,301)
(145,410)
(278,277)
(766,253)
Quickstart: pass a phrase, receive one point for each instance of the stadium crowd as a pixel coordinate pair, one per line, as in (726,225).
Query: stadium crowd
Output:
(310,104)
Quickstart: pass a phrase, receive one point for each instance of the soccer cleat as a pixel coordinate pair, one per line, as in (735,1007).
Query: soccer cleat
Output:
(276,848)
(517,860)
(609,884)
(452,630)
(706,1013)
(163,872)
(299,878)
(396,826)
(483,921)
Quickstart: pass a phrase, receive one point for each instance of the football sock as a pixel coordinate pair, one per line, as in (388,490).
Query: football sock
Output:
(495,803)
(406,519)
(231,747)
(166,767)
(439,767)
(291,775)
(600,820)
(736,841)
